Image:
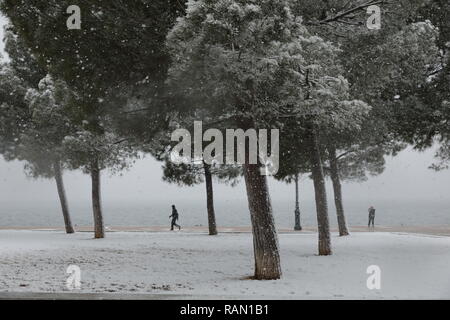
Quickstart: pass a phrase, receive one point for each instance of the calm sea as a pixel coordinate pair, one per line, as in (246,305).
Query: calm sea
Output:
(229,213)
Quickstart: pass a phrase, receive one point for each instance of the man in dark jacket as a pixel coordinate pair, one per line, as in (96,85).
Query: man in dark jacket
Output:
(372,217)
(174,217)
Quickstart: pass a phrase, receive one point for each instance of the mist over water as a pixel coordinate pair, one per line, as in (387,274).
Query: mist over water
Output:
(229,213)
(407,193)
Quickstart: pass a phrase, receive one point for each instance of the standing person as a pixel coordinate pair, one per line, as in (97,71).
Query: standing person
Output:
(371,216)
(174,217)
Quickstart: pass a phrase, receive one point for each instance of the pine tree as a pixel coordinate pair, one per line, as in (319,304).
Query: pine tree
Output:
(257,64)
(39,106)
(42,143)
(192,174)
(385,68)
(434,107)
(116,66)
(195,171)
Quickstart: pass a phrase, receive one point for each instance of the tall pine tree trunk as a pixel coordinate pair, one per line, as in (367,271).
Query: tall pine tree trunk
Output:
(99,228)
(321,196)
(265,239)
(298,226)
(62,197)
(337,188)
(210,201)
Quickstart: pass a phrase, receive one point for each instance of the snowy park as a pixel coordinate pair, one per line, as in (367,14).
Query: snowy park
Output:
(194,265)
(225,149)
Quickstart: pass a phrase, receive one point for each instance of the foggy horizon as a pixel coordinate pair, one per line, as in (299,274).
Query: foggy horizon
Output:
(407,177)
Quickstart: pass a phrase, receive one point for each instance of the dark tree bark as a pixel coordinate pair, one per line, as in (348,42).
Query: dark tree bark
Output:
(337,188)
(265,239)
(210,201)
(62,197)
(99,228)
(321,197)
(298,226)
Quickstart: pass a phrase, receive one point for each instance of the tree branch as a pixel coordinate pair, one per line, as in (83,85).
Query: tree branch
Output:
(347,12)
(343,154)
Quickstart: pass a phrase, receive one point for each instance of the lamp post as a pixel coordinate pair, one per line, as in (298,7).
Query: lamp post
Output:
(297,226)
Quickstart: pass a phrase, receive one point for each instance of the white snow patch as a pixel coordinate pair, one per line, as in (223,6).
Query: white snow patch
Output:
(412,266)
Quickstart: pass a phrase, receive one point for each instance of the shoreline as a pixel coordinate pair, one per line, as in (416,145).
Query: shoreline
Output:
(443,230)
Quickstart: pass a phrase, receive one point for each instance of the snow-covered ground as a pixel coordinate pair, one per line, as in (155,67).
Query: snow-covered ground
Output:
(412,266)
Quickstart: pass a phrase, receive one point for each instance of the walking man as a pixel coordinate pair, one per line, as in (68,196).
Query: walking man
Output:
(371,216)
(174,217)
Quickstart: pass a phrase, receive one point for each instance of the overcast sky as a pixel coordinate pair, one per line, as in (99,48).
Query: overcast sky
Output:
(406,177)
